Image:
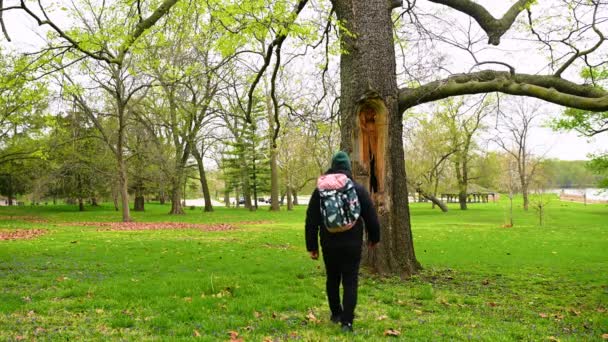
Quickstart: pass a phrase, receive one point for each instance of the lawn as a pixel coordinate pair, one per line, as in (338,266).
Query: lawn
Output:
(255,281)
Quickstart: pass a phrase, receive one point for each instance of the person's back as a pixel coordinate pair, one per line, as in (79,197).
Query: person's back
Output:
(341,251)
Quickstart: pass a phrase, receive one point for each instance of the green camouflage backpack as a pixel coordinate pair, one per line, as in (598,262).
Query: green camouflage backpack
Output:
(340,206)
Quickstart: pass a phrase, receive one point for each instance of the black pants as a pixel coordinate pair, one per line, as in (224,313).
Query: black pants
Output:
(342,265)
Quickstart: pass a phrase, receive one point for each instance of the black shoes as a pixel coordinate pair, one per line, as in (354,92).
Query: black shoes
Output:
(347,327)
(336,319)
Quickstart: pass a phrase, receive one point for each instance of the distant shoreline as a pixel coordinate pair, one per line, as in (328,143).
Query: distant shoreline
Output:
(580,199)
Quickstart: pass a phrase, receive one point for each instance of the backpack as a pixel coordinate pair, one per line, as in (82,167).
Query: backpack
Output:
(340,207)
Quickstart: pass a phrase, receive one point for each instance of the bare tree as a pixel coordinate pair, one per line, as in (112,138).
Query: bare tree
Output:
(515,130)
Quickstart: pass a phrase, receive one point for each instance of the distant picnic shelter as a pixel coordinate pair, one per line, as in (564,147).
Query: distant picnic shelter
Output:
(475,194)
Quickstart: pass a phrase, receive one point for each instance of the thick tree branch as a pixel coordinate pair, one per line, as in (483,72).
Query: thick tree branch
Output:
(493,27)
(395,4)
(142,26)
(549,88)
(277,42)
(2,22)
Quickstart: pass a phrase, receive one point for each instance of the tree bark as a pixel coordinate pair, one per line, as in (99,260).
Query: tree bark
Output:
(203,176)
(289,199)
(368,80)
(274,168)
(139,204)
(176,197)
(80,204)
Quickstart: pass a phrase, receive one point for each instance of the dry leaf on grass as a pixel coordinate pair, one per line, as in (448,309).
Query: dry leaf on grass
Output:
(553,339)
(234,336)
(196,333)
(392,332)
(605,336)
(382,317)
(543,315)
(312,318)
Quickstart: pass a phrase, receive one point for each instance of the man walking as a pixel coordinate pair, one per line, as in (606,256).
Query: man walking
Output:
(341,241)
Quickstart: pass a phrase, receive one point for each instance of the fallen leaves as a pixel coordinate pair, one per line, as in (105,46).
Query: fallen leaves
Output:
(392,332)
(312,318)
(557,316)
(553,339)
(604,336)
(136,226)
(382,317)
(196,333)
(234,337)
(21,234)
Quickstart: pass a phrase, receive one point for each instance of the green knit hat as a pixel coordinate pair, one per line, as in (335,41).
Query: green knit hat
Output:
(340,161)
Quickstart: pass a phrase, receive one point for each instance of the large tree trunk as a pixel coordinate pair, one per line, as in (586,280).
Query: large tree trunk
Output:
(115,198)
(372,127)
(274,168)
(124,188)
(524,186)
(139,204)
(227,198)
(246,189)
(462,184)
(203,176)
(176,197)
(289,198)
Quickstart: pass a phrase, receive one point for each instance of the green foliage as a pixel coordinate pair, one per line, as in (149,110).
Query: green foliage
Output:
(247,156)
(566,173)
(599,165)
(80,163)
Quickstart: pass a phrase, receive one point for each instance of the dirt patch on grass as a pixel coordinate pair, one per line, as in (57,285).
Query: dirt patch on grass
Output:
(21,234)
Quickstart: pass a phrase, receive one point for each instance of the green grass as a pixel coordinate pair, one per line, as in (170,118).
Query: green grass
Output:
(480,281)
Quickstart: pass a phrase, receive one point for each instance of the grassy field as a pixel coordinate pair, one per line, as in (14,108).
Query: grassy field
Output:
(256,283)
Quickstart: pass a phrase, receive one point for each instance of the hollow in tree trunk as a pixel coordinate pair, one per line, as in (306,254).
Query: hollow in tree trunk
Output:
(372,128)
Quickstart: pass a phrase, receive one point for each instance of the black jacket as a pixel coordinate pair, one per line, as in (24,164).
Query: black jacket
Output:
(351,237)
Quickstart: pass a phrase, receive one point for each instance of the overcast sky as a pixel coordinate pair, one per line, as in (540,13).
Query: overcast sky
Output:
(562,145)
